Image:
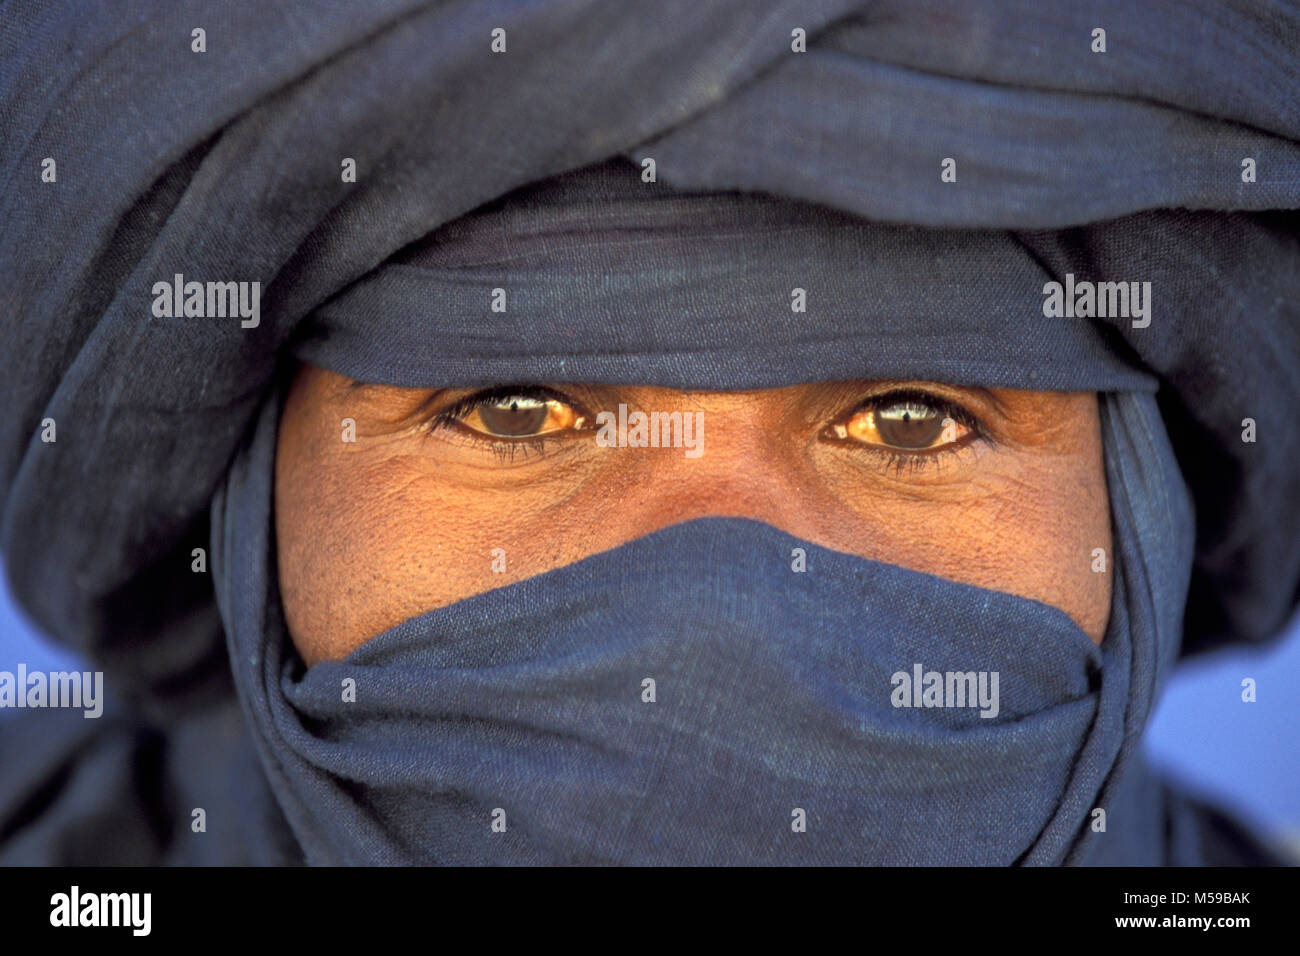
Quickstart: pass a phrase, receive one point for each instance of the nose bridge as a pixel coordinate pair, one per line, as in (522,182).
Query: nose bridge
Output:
(744,467)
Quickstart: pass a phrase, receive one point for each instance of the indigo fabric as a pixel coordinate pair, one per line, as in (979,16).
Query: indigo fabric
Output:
(775,170)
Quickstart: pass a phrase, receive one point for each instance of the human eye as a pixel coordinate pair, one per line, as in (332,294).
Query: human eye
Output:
(513,412)
(908,427)
(509,420)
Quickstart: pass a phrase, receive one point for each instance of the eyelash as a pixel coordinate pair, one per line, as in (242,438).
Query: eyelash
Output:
(508,449)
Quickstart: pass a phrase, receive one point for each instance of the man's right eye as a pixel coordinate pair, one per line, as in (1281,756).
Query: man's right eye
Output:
(505,413)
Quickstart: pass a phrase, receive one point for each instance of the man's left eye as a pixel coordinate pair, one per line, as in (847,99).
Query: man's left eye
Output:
(906,424)
(519,416)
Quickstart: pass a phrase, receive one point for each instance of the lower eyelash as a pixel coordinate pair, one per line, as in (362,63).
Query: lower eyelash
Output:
(913,461)
(523,448)
(506,450)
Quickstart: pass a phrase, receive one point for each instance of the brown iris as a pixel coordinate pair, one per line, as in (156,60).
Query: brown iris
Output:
(904,424)
(520,416)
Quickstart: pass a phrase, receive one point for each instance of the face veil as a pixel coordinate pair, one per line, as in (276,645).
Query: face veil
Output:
(768,176)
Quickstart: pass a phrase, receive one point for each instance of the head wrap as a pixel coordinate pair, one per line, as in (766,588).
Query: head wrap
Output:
(1118,166)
